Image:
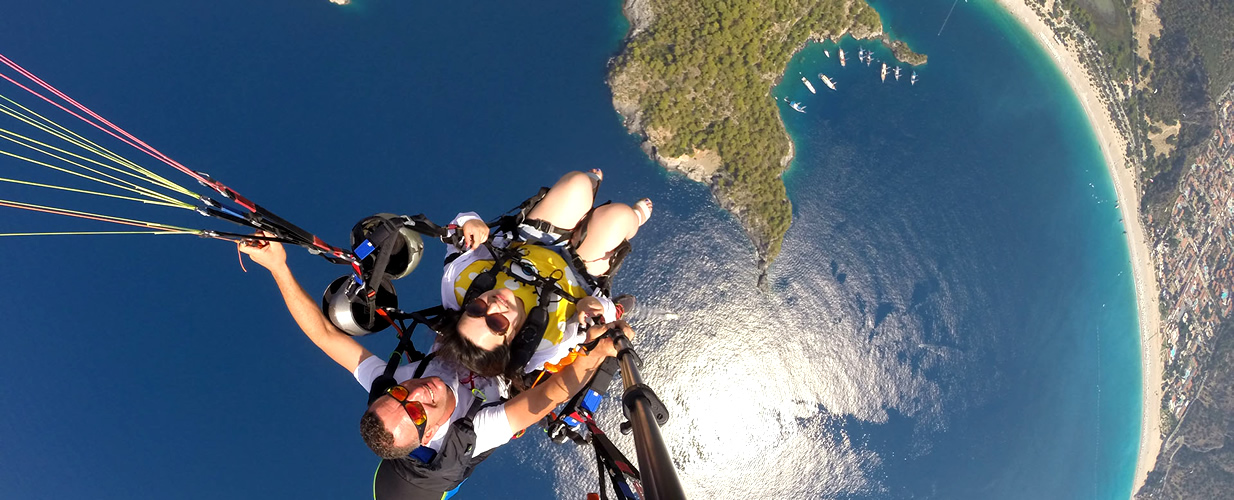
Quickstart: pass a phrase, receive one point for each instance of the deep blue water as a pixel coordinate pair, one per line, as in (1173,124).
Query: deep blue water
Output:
(952,316)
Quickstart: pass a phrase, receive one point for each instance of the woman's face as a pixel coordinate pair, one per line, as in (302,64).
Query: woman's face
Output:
(500,308)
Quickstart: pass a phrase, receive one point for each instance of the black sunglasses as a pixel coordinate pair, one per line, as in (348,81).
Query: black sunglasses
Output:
(478,308)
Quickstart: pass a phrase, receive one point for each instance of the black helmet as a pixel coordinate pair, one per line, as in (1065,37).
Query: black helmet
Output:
(349,307)
(389,236)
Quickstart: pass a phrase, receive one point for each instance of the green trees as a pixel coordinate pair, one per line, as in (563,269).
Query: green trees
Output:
(1191,64)
(701,74)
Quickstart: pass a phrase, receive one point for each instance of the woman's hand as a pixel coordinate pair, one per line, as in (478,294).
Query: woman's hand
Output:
(588,307)
(269,254)
(475,233)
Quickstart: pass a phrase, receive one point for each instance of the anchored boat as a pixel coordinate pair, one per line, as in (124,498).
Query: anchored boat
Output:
(827,81)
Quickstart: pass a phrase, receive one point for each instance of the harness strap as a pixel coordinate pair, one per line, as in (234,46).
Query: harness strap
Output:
(405,347)
(627,485)
(423,365)
(605,281)
(525,341)
(545,227)
(509,222)
(529,336)
(486,280)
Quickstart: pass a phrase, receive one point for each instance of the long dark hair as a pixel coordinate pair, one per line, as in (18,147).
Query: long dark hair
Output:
(451,345)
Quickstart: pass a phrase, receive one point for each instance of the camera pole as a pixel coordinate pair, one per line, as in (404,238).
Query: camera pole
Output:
(646,413)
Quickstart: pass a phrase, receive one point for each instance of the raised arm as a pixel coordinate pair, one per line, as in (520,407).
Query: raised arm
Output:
(533,404)
(341,348)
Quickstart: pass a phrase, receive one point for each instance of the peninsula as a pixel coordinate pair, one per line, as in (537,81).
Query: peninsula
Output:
(694,79)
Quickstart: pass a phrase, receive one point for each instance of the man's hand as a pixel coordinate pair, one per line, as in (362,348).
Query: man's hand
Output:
(588,307)
(341,348)
(269,254)
(475,233)
(606,347)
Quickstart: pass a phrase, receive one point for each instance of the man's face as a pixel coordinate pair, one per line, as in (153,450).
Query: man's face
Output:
(438,401)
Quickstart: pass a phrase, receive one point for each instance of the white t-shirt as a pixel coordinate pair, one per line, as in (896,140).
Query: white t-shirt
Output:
(490,423)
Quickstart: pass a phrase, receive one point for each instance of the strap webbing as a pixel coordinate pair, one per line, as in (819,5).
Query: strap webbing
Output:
(627,485)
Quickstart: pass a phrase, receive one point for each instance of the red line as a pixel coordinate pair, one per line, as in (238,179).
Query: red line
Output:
(83,216)
(146,148)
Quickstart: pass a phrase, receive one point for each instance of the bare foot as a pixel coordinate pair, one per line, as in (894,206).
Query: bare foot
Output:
(642,208)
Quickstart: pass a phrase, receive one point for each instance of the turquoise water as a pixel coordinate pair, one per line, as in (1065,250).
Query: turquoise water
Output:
(979,194)
(952,315)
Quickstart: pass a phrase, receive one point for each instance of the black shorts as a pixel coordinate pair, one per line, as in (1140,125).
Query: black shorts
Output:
(388,484)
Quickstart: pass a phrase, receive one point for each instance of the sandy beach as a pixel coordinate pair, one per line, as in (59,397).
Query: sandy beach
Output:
(1113,147)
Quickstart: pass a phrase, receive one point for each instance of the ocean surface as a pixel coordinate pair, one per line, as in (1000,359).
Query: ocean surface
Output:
(952,317)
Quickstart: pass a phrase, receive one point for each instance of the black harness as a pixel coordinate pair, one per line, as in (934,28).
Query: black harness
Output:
(524,343)
(454,461)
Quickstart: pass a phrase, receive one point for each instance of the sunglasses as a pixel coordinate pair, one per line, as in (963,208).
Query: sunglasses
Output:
(478,308)
(414,409)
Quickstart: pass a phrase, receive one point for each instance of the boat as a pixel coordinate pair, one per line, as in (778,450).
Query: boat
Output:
(897,73)
(883,74)
(827,81)
(798,107)
(827,52)
(808,85)
(912,80)
(841,57)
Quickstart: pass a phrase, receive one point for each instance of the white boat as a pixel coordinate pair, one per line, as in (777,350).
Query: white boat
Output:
(808,85)
(883,75)
(798,107)
(827,81)
(841,57)
(912,80)
(827,52)
(897,73)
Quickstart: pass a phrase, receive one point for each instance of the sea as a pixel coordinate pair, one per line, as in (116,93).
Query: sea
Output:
(952,317)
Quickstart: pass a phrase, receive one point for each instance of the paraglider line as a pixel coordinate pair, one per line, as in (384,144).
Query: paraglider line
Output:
(95,233)
(100,127)
(144,147)
(96,217)
(96,193)
(135,189)
(77,140)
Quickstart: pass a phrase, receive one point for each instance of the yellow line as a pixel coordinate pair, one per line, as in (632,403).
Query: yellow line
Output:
(177,204)
(99,150)
(70,172)
(105,218)
(143,189)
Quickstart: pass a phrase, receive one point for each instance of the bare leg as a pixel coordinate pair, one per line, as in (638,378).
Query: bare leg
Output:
(609,226)
(567,201)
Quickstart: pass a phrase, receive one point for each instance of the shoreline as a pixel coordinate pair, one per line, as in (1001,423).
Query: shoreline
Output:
(1143,269)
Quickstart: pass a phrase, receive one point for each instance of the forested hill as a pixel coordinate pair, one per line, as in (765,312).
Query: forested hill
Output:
(1191,63)
(694,78)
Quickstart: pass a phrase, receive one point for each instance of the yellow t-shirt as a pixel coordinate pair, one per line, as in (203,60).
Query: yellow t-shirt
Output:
(534,261)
